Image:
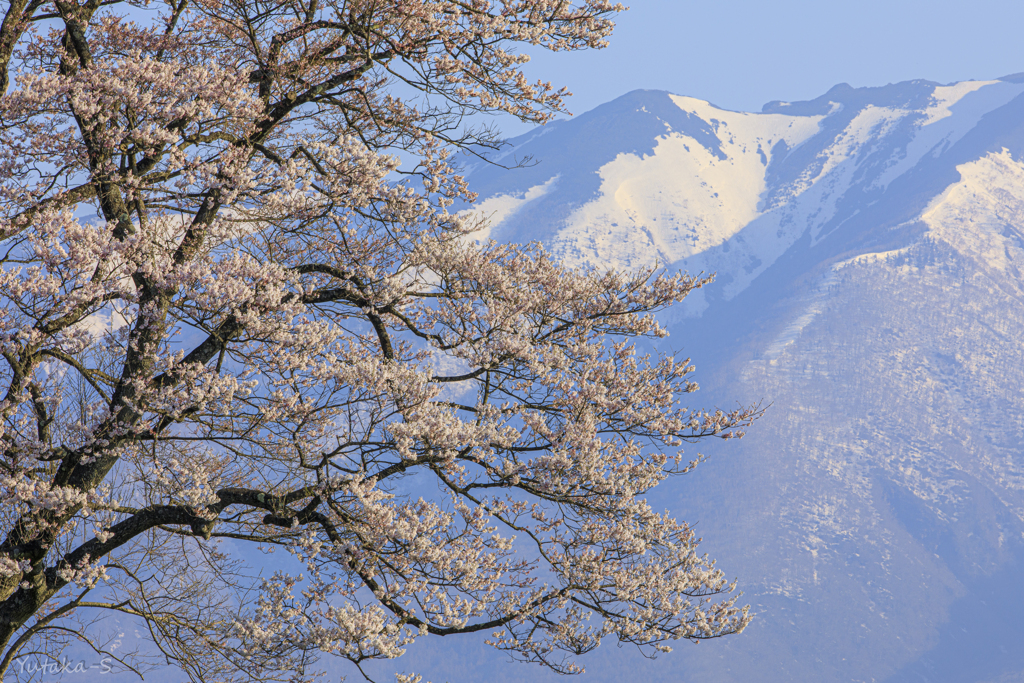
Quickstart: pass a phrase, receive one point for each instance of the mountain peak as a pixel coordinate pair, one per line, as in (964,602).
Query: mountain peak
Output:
(869,251)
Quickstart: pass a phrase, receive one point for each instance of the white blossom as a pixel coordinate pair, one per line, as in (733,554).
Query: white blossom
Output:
(247,348)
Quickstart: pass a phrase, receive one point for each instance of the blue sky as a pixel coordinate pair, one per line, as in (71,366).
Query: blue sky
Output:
(739,54)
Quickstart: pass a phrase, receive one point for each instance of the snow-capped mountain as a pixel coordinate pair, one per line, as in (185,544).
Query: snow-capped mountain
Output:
(869,251)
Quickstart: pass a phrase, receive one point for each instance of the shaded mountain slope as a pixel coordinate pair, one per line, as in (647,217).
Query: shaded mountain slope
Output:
(869,246)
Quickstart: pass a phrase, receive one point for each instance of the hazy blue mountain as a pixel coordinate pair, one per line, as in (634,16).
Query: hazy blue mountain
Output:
(869,247)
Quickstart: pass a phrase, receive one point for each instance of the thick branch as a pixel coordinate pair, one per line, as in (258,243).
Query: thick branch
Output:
(14,24)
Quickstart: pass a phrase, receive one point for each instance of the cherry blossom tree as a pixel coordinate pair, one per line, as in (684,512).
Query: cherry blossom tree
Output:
(232,320)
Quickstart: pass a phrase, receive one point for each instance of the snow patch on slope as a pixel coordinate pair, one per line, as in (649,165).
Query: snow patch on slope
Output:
(682,199)
(944,124)
(982,216)
(496,209)
(814,306)
(946,96)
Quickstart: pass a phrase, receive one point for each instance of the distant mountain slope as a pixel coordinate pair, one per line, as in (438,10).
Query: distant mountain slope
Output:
(869,246)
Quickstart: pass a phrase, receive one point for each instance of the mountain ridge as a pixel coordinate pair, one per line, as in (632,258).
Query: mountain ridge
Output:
(869,246)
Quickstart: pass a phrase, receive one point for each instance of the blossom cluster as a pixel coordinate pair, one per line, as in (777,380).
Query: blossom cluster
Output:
(230,312)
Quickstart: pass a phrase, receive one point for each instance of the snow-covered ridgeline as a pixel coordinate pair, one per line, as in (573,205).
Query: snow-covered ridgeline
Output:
(730,192)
